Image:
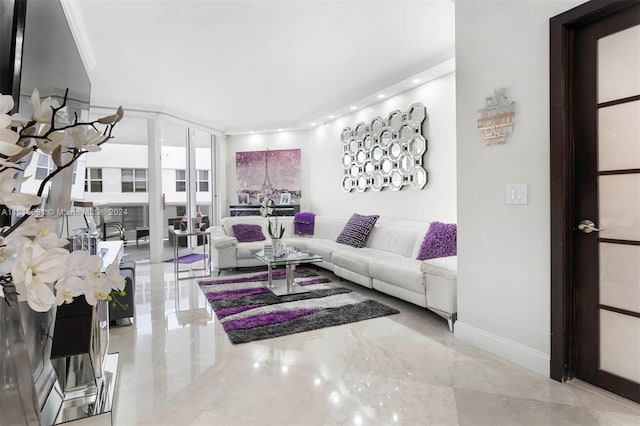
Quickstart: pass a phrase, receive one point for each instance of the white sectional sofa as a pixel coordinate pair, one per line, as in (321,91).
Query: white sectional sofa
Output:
(387,263)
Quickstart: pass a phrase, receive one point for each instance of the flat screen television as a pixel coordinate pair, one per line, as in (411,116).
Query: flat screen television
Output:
(47,59)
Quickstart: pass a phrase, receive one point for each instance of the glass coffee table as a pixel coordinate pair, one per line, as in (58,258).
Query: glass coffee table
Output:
(288,260)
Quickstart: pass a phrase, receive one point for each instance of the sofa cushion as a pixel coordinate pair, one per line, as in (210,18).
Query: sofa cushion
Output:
(403,272)
(329,228)
(356,231)
(244,249)
(395,239)
(247,233)
(440,241)
(324,248)
(359,259)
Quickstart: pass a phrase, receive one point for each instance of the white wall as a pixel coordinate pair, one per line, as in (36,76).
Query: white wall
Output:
(322,172)
(503,250)
(120,156)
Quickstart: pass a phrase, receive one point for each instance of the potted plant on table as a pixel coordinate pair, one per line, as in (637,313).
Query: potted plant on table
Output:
(275,230)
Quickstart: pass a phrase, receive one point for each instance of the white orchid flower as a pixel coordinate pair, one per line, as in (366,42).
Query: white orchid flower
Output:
(9,246)
(69,288)
(43,232)
(35,271)
(19,121)
(6,105)
(15,200)
(42,110)
(8,145)
(112,274)
(53,141)
(86,138)
(76,264)
(97,286)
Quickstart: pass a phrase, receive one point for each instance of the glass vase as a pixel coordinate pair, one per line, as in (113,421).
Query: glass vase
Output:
(18,399)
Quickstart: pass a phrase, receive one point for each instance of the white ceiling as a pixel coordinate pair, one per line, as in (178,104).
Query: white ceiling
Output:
(259,65)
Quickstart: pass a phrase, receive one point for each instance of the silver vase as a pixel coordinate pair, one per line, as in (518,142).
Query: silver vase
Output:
(18,399)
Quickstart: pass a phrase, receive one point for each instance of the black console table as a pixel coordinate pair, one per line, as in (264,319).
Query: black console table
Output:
(254,210)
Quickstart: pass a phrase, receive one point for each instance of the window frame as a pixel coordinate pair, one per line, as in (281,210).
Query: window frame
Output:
(90,179)
(132,181)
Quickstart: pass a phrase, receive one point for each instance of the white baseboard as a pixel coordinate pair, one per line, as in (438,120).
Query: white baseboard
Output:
(508,349)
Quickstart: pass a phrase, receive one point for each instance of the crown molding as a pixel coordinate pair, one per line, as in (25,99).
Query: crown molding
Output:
(75,19)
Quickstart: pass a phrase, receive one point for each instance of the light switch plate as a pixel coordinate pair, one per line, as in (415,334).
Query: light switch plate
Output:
(517,193)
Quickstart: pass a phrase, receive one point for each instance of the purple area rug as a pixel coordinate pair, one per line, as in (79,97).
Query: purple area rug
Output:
(249,311)
(189,258)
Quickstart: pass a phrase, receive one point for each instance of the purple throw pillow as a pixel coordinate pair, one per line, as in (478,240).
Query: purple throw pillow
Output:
(440,241)
(356,231)
(246,233)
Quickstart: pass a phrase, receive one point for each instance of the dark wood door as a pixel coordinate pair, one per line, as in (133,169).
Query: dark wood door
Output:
(606,131)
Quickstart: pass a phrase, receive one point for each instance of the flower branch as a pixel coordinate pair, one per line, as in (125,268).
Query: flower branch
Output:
(31,254)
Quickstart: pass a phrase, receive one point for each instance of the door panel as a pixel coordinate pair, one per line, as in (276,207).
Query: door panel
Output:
(619,197)
(606,100)
(620,276)
(620,344)
(618,135)
(618,65)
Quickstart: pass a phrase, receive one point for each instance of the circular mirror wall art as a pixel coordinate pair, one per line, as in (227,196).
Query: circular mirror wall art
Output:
(346,160)
(386,153)
(385,138)
(377,181)
(347,184)
(368,143)
(347,133)
(395,149)
(362,184)
(395,180)
(376,153)
(353,146)
(376,126)
(386,166)
(369,168)
(419,179)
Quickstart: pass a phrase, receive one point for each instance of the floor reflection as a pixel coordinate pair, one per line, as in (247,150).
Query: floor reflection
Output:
(179,368)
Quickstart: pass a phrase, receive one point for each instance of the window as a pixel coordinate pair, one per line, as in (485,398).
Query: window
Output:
(181,181)
(44,167)
(202,181)
(134,180)
(132,216)
(75,172)
(93,180)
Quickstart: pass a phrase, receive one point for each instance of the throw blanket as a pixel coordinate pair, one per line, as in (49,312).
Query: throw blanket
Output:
(303,223)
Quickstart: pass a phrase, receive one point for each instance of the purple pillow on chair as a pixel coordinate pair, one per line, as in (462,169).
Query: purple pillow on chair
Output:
(246,233)
(357,230)
(440,241)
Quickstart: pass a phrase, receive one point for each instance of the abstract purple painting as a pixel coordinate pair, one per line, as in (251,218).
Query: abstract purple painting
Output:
(270,172)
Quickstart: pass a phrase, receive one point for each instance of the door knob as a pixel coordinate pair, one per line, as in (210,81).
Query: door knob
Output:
(588,227)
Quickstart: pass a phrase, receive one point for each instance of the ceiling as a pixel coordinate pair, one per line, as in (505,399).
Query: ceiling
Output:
(261,65)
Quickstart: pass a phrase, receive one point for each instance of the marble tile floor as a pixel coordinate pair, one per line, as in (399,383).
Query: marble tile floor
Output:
(177,367)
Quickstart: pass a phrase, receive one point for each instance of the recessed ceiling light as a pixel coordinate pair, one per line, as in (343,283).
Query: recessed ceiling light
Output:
(331,117)
(416,81)
(313,124)
(380,96)
(353,107)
